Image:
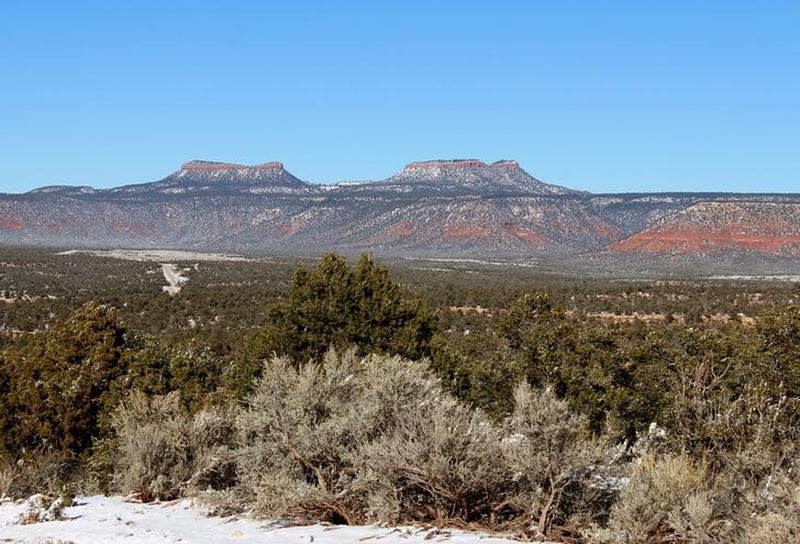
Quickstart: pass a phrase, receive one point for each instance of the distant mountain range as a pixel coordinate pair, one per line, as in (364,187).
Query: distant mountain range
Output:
(449,208)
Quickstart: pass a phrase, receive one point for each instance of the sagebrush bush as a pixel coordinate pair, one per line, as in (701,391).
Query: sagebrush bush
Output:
(43,507)
(773,515)
(304,427)
(671,499)
(443,461)
(7,477)
(713,420)
(296,435)
(376,439)
(163,453)
(772,528)
(550,449)
(47,472)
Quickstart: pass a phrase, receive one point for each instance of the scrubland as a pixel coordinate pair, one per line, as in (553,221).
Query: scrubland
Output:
(474,396)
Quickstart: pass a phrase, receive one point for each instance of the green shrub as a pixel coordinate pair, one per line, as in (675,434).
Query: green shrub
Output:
(157,367)
(58,383)
(336,306)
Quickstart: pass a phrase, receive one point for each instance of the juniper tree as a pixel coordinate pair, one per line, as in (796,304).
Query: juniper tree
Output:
(339,306)
(57,383)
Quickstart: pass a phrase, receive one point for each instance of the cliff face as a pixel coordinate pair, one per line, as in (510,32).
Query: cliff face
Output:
(221,177)
(470,176)
(454,208)
(713,227)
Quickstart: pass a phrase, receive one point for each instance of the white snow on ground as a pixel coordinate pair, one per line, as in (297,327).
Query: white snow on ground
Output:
(158,255)
(173,277)
(101,519)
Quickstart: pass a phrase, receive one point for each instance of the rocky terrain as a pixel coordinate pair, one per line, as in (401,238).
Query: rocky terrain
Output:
(453,208)
(710,227)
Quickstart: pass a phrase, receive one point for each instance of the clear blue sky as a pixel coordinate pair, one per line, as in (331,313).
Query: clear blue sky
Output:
(600,96)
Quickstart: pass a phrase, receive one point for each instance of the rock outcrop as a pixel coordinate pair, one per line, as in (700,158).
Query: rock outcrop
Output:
(451,208)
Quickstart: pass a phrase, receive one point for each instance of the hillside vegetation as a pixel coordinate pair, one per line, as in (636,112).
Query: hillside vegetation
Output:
(455,394)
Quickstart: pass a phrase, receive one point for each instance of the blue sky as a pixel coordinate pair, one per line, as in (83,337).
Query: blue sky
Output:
(600,96)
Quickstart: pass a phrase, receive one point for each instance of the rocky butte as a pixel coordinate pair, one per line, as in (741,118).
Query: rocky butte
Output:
(439,208)
(213,176)
(453,175)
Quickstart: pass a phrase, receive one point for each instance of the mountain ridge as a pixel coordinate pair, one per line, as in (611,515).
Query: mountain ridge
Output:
(460,173)
(460,207)
(450,176)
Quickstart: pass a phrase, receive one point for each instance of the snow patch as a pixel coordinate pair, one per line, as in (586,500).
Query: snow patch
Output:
(99,519)
(157,255)
(174,277)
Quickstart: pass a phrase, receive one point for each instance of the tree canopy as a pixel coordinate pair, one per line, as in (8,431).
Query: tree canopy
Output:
(339,306)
